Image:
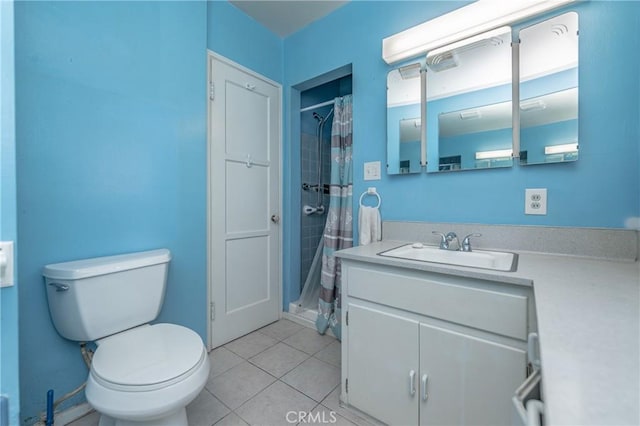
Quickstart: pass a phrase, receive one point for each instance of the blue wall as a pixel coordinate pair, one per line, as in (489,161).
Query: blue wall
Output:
(111,158)
(350,36)
(579,193)
(236,36)
(602,189)
(9,353)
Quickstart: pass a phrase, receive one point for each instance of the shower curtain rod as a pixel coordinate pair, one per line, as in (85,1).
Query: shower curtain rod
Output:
(309,108)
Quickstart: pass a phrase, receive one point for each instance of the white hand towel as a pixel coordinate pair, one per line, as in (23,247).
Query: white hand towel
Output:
(369,225)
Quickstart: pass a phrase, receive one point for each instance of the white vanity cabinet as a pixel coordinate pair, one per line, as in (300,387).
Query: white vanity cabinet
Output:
(432,349)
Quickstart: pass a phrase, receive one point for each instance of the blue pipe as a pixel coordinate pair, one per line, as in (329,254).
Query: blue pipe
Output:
(49,407)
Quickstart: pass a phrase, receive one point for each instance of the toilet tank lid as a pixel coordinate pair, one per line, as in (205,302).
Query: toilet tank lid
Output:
(85,268)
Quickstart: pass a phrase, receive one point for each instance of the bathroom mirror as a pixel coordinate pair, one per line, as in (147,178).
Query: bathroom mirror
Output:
(403,120)
(549,91)
(468,108)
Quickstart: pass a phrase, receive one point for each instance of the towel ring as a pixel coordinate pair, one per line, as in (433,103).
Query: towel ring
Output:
(371,191)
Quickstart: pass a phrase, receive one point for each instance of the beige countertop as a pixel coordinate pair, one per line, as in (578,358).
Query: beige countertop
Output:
(588,313)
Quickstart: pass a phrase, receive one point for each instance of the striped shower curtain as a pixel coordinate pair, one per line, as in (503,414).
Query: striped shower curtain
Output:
(338,231)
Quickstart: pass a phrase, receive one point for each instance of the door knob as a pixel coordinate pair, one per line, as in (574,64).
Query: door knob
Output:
(275,218)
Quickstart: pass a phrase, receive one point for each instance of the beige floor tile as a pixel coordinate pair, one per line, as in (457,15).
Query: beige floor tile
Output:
(231,419)
(205,410)
(279,359)
(282,329)
(221,360)
(251,344)
(278,404)
(314,378)
(309,341)
(322,415)
(237,385)
(331,354)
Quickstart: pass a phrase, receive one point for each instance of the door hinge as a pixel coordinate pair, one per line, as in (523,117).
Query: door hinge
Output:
(212,314)
(346,385)
(212,91)
(347,318)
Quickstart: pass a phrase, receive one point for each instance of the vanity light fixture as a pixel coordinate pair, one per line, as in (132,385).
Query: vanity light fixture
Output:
(561,149)
(446,57)
(467,21)
(498,153)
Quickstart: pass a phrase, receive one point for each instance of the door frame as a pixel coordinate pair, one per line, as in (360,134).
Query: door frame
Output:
(213,55)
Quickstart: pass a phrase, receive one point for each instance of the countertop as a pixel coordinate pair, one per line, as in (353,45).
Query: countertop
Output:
(588,313)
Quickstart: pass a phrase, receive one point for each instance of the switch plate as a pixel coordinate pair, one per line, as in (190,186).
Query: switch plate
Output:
(372,170)
(6,263)
(535,201)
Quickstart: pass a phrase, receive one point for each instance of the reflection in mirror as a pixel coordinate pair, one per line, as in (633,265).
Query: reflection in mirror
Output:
(475,138)
(469,112)
(403,120)
(549,91)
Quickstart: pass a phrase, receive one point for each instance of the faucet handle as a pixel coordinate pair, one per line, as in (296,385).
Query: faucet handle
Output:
(444,243)
(466,242)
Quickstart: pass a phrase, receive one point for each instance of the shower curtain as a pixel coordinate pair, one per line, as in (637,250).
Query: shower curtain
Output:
(338,231)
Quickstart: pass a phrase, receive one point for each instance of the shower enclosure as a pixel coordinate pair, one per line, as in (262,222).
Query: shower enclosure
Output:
(316,116)
(315,171)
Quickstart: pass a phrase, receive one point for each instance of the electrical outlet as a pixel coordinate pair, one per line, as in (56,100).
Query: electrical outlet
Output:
(535,201)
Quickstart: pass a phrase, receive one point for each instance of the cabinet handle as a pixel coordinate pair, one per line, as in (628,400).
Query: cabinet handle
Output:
(412,382)
(424,387)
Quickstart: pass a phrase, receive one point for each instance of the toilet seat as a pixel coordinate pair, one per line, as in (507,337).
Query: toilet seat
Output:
(147,358)
(118,388)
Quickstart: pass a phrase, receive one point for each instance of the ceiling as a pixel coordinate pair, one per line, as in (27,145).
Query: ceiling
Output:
(288,16)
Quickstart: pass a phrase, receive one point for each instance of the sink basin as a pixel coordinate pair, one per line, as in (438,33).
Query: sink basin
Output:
(495,260)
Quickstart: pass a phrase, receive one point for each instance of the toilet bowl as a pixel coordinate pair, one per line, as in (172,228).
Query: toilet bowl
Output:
(140,374)
(147,374)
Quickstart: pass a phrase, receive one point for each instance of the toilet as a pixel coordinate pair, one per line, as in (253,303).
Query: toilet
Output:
(141,374)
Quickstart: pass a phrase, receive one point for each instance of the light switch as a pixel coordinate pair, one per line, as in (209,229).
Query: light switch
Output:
(372,170)
(6,263)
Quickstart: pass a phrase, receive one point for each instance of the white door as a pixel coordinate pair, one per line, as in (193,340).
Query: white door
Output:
(244,200)
(467,380)
(383,365)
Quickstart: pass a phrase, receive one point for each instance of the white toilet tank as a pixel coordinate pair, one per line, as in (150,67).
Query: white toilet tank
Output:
(93,298)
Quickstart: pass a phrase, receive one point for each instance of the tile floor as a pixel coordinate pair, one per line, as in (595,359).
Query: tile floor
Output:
(266,378)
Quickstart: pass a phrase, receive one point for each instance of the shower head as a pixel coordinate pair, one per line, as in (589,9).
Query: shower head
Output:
(318,116)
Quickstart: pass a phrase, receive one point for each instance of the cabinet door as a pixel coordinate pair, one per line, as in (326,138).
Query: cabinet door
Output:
(469,380)
(382,352)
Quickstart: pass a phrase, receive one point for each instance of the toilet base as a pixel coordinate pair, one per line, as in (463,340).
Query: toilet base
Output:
(177,418)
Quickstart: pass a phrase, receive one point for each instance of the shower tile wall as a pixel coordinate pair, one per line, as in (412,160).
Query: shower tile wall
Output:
(312,226)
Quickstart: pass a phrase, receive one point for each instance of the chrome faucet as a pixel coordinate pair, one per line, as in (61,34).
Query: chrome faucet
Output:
(466,242)
(446,239)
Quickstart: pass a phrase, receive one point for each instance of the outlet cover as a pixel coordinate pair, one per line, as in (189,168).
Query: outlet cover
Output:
(372,170)
(535,201)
